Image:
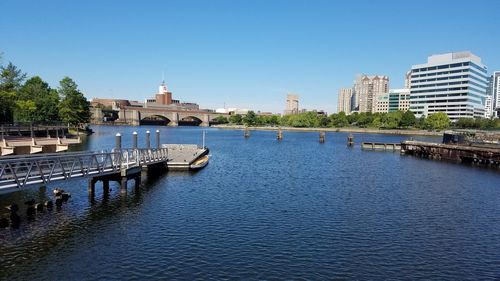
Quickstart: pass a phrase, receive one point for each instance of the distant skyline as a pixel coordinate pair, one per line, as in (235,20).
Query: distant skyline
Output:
(239,53)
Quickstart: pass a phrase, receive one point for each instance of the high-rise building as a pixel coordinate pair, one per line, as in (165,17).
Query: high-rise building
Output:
(367,89)
(453,83)
(344,102)
(292,104)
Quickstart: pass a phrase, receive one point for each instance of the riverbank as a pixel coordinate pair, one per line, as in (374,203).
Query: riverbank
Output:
(348,130)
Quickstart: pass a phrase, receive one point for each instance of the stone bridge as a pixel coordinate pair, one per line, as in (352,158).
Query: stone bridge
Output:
(134,115)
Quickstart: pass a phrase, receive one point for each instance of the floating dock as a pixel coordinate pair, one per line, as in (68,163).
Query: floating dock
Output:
(182,156)
(476,154)
(380,146)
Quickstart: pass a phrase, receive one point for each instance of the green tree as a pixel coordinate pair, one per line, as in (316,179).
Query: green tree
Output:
(250,119)
(25,110)
(11,78)
(221,119)
(408,119)
(46,99)
(74,107)
(339,120)
(437,121)
(235,119)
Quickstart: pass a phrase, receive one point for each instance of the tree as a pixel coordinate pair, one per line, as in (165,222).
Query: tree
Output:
(221,119)
(339,120)
(46,99)
(11,78)
(25,110)
(408,119)
(250,118)
(437,121)
(74,107)
(235,119)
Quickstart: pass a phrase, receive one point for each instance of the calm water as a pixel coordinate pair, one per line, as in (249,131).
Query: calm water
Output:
(264,209)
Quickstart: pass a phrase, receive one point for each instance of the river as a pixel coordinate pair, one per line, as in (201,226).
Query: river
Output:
(267,209)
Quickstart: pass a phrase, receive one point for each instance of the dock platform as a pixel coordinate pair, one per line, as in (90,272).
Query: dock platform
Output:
(182,156)
(381,146)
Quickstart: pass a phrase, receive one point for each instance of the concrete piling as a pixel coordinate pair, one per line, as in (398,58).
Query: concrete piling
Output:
(321,137)
(246,134)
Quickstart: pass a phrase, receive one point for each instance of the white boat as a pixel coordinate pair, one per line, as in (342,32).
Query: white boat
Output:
(199,163)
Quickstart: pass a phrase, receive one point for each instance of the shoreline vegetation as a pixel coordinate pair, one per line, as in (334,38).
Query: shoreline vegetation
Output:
(411,132)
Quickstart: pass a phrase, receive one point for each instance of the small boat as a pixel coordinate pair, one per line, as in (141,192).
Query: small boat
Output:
(199,163)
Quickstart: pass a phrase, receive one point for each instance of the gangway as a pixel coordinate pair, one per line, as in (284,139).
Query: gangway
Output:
(19,172)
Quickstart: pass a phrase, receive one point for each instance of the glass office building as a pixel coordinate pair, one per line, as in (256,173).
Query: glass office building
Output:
(453,83)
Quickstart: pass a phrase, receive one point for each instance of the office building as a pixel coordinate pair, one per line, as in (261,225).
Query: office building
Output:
(292,104)
(399,99)
(344,102)
(453,83)
(367,89)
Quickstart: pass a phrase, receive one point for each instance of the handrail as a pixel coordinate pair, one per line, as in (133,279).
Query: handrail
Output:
(35,169)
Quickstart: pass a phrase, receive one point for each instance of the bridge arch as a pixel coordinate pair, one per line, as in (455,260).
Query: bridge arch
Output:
(189,121)
(154,119)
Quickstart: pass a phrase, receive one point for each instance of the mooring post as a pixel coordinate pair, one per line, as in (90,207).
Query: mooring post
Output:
(321,137)
(148,139)
(157,138)
(118,141)
(247,133)
(134,140)
(280,134)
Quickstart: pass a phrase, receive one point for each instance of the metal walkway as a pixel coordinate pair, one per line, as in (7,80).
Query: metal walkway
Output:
(17,172)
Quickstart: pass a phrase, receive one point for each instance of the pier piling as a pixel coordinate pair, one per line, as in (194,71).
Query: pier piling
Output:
(247,133)
(148,139)
(321,137)
(280,135)
(350,140)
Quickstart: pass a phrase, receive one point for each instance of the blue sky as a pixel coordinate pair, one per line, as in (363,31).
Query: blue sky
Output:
(240,53)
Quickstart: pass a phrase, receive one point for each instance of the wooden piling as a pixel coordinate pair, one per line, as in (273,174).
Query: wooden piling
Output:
(280,135)
(321,137)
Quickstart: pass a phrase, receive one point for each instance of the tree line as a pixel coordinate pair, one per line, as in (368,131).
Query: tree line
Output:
(33,100)
(391,120)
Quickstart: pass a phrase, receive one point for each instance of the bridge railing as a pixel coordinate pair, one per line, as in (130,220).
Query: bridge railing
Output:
(142,156)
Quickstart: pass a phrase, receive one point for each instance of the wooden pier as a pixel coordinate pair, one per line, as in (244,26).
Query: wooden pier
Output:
(485,154)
